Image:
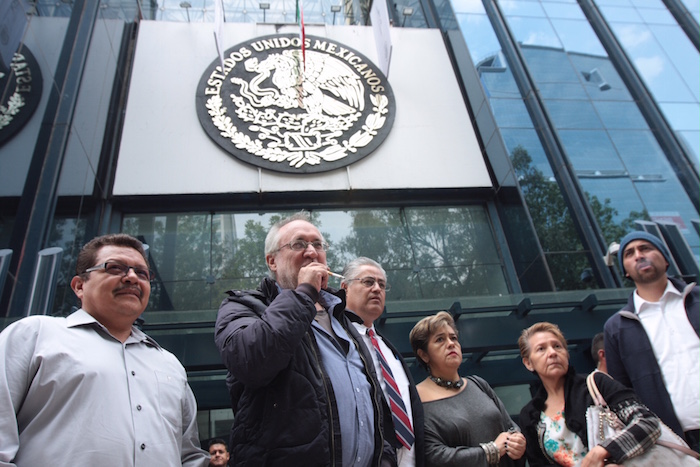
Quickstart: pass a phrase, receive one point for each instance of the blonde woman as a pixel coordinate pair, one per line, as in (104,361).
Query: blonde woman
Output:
(465,422)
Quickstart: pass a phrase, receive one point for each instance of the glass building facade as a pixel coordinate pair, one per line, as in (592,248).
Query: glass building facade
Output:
(588,117)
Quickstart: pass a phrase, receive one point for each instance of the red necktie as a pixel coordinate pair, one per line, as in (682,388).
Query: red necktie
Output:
(402,425)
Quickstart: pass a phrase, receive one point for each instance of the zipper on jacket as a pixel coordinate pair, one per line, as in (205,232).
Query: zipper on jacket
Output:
(540,440)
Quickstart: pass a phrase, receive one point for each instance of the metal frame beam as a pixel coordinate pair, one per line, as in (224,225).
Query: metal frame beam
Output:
(38,202)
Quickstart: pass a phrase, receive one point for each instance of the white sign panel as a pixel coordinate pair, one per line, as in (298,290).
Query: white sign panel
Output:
(165,150)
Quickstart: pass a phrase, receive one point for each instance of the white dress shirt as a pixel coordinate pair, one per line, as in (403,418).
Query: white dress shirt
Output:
(405,457)
(676,347)
(72,394)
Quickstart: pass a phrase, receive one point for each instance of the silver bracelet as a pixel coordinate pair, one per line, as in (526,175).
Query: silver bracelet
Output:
(493,454)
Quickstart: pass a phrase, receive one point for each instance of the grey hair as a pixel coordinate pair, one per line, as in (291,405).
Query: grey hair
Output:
(272,240)
(352,269)
(273,235)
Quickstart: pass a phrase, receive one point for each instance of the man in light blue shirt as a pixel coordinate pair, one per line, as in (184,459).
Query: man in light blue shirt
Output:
(91,389)
(343,364)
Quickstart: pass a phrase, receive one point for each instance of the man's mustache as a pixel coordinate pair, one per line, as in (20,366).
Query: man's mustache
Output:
(130,287)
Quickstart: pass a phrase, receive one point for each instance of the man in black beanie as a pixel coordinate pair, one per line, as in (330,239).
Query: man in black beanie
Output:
(652,344)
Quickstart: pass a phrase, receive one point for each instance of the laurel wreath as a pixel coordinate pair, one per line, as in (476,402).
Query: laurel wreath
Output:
(14,103)
(359,139)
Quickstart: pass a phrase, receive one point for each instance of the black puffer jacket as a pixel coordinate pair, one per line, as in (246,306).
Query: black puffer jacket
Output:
(283,402)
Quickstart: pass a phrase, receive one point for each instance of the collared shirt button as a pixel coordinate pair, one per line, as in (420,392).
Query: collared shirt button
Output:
(133,373)
(357,389)
(143,446)
(138,407)
(362,423)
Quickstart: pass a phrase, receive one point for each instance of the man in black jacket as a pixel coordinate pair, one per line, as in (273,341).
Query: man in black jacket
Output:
(365,286)
(652,344)
(302,383)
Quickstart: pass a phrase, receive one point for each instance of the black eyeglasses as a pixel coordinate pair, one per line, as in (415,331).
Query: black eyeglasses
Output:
(301,245)
(369,282)
(119,269)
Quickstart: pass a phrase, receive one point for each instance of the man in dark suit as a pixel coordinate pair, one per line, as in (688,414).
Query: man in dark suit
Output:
(365,286)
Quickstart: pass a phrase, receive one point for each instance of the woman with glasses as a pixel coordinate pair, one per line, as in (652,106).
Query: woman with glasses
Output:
(466,424)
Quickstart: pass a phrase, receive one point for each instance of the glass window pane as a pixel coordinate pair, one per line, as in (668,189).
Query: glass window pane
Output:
(623,3)
(480,37)
(682,54)
(454,252)
(648,4)
(68,233)
(573,114)
(567,270)
(591,150)
(534,31)
(511,113)
(620,115)
(497,78)
(656,16)
(599,78)
(578,36)
(238,249)
(562,90)
(427,252)
(529,9)
(562,10)
(682,116)
(622,190)
(640,152)
(379,234)
(550,66)
(468,6)
(620,14)
(653,64)
(527,140)
(437,251)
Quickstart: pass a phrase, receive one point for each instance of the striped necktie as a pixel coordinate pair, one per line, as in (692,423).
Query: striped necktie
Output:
(402,425)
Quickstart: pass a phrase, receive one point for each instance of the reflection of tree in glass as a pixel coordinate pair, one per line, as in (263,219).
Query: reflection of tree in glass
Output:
(68,234)
(151,229)
(182,249)
(555,228)
(199,257)
(242,263)
(428,253)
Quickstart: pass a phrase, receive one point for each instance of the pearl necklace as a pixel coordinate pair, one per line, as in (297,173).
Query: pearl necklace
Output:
(447,384)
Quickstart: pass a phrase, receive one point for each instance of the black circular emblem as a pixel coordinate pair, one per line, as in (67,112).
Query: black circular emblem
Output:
(21,87)
(290,110)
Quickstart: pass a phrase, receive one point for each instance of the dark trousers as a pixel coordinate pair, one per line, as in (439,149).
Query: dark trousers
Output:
(692,437)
